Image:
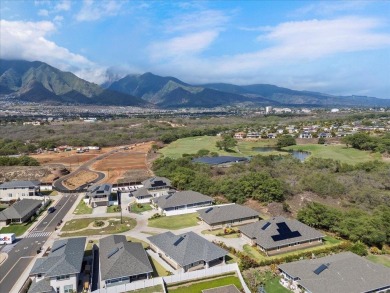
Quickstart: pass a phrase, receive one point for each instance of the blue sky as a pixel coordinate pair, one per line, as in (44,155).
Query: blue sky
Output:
(336,47)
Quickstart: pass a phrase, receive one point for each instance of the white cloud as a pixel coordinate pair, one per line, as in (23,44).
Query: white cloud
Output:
(58,19)
(183,45)
(330,7)
(64,5)
(91,11)
(43,12)
(28,41)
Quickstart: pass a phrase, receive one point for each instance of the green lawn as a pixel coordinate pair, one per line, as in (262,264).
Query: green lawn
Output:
(191,145)
(153,289)
(158,270)
(18,229)
(82,208)
(139,208)
(113,209)
(175,222)
(337,152)
(114,227)
(273,286)
(212,283)
(3,206)
(380,259)
(220,231)
(255,254)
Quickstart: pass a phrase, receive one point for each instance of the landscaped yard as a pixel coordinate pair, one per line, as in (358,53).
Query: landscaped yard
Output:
(273,286)
(82,208)
(175,222)
(139,208)
(380,259)
(113,209)
(18,229)
(154,289)
(88,248)
(196,287)
(255,254)
(3,206)
(337,152)
(158,270)
(220,233)
(114,226)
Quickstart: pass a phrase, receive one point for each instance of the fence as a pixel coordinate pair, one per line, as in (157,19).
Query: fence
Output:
(189,276)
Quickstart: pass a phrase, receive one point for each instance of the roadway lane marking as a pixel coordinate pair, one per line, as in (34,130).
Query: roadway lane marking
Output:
(13,267)
(39,234)
(58,212)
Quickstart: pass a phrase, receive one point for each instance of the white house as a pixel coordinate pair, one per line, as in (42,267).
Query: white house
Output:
(14,190)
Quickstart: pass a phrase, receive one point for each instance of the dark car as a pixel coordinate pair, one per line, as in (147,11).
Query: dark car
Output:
(50,210)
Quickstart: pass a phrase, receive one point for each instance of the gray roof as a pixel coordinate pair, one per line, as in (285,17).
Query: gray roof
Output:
(119,258)
(65,257)
(100,190)
(20,209)
(225,213)
(156,182)
(343,273)
(279,231)
(180,198)
(19,184)
(187,248)
(219,160)
(141,192)
(222,289)
(42,286)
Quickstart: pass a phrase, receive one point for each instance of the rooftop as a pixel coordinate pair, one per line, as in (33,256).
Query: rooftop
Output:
(141,192)
(231,212)
(156,182)
(120,258)
(279,231)
(343,273)
(181,198)
(20,184)
(20,209)
(187,248)
(219,160)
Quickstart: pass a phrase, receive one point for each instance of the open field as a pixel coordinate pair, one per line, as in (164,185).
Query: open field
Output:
(69,159)
(175,222)
(79,179)
(117,164)
(337,152)
(196,287)
(191,145)
(380,259)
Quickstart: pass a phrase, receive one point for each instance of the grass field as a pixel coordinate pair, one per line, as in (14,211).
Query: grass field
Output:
(337,152)
(380,259)
(213,283)
(175,222)
(140,208)
(191,145)
(18,229)
(82,208)
(114,227)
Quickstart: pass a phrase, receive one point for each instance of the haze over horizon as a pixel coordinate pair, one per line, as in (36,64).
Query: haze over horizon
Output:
(335,47)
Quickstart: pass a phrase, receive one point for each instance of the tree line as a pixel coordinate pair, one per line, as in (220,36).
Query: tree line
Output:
(18,161)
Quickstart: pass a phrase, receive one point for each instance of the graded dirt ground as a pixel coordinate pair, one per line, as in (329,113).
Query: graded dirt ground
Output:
(131,163)
(79,179)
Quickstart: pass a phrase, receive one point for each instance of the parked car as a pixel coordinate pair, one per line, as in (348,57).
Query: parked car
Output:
(50,210)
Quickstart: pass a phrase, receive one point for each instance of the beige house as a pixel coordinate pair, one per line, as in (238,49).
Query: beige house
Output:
(14,190)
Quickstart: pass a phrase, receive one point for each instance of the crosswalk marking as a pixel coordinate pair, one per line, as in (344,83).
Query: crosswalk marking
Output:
(38,234)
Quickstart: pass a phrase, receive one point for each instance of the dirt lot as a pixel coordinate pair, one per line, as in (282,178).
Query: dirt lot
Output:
(70,160)
(79,179)
(130,163)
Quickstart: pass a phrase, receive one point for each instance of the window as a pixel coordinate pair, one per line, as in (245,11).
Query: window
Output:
(9,194)
(68,288)
(63,277)
(58,289)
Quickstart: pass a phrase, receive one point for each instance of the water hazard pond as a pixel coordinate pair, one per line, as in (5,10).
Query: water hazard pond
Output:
(300,155)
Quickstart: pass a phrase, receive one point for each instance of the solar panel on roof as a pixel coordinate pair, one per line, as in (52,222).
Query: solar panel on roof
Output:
(169,196)
(158,183)
(58,247)
(106,188)
(320,269)
(284,232)
(177,242)
(208,210)
(116,249)
(266,225)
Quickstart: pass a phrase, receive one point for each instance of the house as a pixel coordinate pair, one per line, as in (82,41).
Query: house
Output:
(20,212)
(187,251)
(240,135)
(271,135)
(157,186)
(18,189)
(342,273)
(182,202)
(325,135)
(228,215)
(122,261)
(142,195)
(253,134)
(59,271)
(100,195)
(305,134)
(221,160)
(279,235)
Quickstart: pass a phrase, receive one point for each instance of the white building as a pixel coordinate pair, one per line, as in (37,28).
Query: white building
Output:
(14,190)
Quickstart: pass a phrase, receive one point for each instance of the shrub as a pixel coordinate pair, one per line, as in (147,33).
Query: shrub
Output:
(359,248)
(375,250)
(98,223)
(155,216)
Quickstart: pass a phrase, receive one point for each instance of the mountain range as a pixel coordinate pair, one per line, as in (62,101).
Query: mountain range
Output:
(39,82)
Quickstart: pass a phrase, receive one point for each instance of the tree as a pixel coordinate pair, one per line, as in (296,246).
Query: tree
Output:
(226,143)
(285,140)
(321,140)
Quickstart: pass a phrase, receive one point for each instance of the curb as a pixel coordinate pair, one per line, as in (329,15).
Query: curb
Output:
(3,257)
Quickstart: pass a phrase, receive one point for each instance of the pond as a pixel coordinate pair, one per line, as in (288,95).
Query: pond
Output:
(300,155)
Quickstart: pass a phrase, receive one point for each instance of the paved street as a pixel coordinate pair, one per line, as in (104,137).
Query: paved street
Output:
(24,251)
